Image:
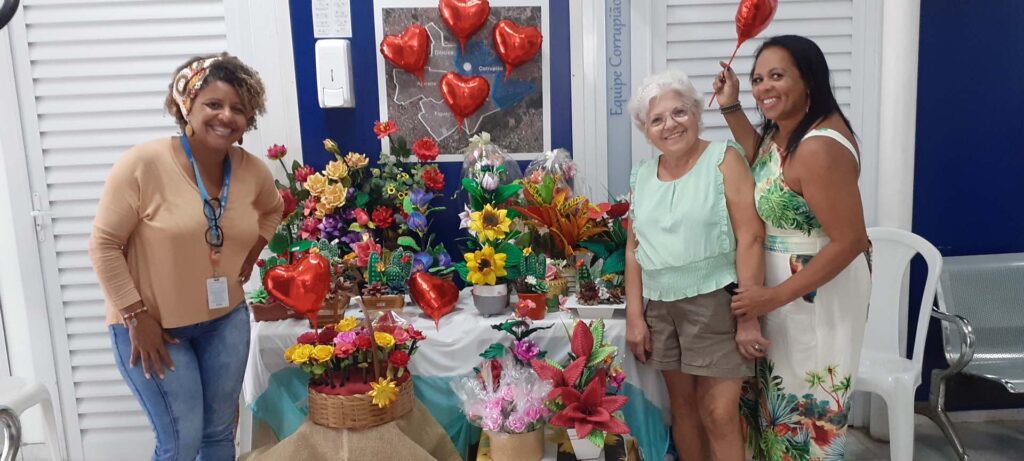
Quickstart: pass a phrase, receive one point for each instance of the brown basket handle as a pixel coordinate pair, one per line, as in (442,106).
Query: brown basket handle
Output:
(373,346)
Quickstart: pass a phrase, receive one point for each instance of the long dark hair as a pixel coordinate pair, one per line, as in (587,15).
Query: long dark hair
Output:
(813,68)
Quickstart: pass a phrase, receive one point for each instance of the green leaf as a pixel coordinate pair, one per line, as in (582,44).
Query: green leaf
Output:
(296,165)
(278,243)
(355,227)
(471,186)
(301,245)
(596,437)
(462,270)
(407,241)
(407,204)
(597,330)
(362,198)
(600,248)
(600,354)
(503,193)
(554,364)
(494,351)
(615,264)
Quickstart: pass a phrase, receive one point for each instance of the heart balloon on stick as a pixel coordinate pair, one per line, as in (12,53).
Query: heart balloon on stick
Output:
(516,44)
(408,51)
(464,95)
(301,286)
(464,17)
(752,17)
(435,296)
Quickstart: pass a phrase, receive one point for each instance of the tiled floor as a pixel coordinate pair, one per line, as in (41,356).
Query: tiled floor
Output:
(985,441)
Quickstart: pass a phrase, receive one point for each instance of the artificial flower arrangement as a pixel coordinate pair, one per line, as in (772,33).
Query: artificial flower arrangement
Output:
(358,370)
(505,397)
(386,282)
(531,284)
(609,256)
(581,400)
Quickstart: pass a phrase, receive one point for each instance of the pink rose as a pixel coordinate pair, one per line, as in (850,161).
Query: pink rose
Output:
(361,217)
(401,336)
(343,349)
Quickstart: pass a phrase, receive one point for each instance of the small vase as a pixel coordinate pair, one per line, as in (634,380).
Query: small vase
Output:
(490,299)
(528,446)
(584,448)
(539,305)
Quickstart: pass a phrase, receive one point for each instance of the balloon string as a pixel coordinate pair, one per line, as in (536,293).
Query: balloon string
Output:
(727,66)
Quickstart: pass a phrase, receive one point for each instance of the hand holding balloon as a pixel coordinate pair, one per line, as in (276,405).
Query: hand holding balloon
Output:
(752,17)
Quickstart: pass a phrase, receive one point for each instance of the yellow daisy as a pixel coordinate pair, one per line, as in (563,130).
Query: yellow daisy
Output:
(489,224)
(485,266)
(383,392)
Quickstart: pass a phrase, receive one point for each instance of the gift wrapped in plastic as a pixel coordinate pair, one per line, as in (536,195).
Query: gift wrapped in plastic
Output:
(489,174)
(556,164)
(504,396)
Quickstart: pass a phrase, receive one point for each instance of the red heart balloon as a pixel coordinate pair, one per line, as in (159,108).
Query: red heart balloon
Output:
(437,297)
(464,95)
(408,51)
(301,286)
(464,17)
(516,44)
(752,17)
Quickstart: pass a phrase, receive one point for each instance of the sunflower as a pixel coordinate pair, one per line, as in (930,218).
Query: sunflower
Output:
(384,392)
(489,224)
(485,266)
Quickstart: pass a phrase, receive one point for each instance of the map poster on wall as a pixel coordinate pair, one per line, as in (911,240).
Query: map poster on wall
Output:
(516,112)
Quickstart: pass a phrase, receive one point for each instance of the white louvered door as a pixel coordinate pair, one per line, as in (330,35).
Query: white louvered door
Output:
(91,77)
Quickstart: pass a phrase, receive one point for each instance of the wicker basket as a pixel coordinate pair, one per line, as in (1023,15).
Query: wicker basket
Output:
(358,411)
(382,303)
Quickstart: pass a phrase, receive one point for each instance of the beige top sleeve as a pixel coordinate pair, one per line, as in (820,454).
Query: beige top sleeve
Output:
(116,218)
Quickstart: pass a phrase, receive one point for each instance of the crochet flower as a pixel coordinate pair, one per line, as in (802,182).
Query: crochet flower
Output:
(383,339)
(444,259)
(337,170)
(363,250)
(310,229)
(485,266)
(331,146)
(398,359)
(301,354)
(421,261)
(276,152)
(591,410)
(385,128)
(342,350)
(489,223)
(383,392)
(362,342)
(316,183)
(331,227)
(525,350)
(347,324)
(383,217)
(433,179)
(356,161)
(303,173)
(289,202)
(425,149)
(417,222)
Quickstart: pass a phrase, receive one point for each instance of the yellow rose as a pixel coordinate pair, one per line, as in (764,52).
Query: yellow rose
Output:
(347,323)
(383,339)
(290,351)
(333,196)
(323,209)
(316,183)
(336,170)
(301,354)
(356,161)
(331,146)
(323,353)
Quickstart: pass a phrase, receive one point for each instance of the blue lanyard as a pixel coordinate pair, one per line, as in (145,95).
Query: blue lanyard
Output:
(202,188)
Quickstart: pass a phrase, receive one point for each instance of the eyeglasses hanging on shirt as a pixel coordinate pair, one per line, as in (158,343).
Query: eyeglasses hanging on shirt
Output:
(213,209)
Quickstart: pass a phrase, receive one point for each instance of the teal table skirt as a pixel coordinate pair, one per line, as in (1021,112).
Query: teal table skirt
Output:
(283,407)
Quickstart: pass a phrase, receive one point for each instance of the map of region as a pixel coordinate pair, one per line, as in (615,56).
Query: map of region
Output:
(514,111)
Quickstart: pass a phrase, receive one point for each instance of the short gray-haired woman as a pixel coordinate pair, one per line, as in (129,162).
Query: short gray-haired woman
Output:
(693,234)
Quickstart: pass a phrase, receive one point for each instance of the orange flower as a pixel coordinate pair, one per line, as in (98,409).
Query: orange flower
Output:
(385,128)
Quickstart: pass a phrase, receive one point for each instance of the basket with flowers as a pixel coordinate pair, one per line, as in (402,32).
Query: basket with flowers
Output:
(358,371)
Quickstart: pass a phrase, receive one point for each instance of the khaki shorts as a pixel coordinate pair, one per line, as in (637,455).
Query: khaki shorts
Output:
(696,336)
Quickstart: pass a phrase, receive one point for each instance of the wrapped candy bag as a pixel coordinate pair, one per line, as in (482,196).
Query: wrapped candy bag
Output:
(514,406)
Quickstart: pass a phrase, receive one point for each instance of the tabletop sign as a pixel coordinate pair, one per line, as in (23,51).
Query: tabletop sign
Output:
(332,19)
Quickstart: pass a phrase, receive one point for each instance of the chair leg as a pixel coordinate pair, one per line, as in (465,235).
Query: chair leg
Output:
(53,437)
(936,412)
(901,427)
(11,425)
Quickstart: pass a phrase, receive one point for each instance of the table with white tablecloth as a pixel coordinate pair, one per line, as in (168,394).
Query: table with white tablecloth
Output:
(276,391)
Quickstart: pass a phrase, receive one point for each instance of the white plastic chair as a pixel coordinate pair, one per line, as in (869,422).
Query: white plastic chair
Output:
(884,367)
(11,425)
(20,395)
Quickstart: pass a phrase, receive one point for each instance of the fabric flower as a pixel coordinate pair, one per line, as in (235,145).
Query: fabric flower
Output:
(383,217)
(420,198)
(383,392)
(362,342)
(276,152)
(315,184)
(347,324)
(525,350)
(444,259)
(421,261)
(356,161)
(401,336)
(308,337)
(398,359)
(334,195)
(417,222)
(361,217)
(485,266)
(343,350)
(591,410)
(383,339)
(302,353)
(337,170)
(465,219)
(517,423)
(310,229)
(385,128)
(490,224)
(489,181)
(433,179)
(425,149)
(331,227)
(289,202)
(331,146)
(363,250)
(303,173)
(322,353)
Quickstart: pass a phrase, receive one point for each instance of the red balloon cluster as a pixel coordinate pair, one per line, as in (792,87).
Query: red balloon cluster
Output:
(435,296)
(516,45)
(464,17)
(464,95)
(301,286)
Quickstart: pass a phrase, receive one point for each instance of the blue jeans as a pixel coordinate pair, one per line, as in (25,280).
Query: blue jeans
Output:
(192,410)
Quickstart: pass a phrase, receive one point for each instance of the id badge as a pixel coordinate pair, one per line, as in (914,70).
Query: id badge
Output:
(217,292)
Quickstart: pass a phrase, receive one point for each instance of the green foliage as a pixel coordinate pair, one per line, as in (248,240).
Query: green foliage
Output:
(494,351)
(408,242)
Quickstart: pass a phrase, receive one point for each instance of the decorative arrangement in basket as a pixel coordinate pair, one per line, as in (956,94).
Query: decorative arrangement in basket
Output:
(492,257)
(359,376)
(506,398)
(580,398)
(386,283)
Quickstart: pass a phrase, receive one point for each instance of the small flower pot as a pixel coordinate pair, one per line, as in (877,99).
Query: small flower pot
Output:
(584,448)
(528,446)
(539,301)
(491,299)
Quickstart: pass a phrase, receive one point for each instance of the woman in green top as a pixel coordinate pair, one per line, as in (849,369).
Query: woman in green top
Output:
(693,232)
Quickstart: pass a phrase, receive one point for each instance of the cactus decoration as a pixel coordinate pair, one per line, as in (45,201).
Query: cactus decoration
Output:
(397,272)
(588,293)
(373,270)
(532,269)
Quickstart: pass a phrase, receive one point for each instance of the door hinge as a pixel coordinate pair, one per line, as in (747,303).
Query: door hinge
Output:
(39,216)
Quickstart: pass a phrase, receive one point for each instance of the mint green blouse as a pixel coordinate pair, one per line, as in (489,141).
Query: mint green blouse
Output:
(685,242)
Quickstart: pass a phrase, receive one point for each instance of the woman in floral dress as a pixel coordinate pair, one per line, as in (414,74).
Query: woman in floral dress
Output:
(814,303)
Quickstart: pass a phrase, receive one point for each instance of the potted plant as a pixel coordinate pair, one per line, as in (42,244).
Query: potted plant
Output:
(386,282)
(531,284)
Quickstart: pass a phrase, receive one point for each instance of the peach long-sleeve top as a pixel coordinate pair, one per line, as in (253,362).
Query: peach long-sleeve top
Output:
(149,238)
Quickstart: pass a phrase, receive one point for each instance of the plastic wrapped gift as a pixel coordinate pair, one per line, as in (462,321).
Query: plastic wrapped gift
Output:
(557,164)
(488,164)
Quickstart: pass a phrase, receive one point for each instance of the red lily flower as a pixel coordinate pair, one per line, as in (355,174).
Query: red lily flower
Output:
(592,409)
(582,345)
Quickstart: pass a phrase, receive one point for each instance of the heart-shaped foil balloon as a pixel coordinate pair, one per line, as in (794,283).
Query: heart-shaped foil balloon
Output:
(516,45)
(464,17)
(301,286)
(464,95)
(408,51)
(437,297)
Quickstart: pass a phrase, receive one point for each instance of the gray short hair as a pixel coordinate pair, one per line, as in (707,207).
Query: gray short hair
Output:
(656,85)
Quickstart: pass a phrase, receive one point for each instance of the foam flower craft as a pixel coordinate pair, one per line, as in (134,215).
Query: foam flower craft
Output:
(383,392)
(592,409)
(485,266)
(490,223)
(582,345)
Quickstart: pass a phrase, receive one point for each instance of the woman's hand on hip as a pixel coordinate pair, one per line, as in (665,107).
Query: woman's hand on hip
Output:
(749,340)
(148,339)
(726,85)
(246,271)
(755,301)
(638,338)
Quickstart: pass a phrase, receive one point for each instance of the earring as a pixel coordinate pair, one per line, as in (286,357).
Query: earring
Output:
(189,131)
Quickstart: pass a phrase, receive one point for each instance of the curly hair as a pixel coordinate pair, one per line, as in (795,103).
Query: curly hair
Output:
(232,71)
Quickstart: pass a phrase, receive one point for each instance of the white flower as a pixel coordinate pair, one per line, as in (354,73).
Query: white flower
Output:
(489,182)
(531,280)
(465,220)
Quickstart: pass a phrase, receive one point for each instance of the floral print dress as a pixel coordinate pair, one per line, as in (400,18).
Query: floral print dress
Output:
(797,404)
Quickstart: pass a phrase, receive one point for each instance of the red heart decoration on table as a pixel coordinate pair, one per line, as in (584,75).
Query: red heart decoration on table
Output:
(301,286)
(464,17)
(464,95)
(408,51)
(516,44)
(437,297)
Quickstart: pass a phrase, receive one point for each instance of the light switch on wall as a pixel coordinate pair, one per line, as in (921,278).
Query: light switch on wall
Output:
(334,73)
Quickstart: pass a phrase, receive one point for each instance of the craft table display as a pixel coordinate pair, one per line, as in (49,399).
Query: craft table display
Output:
(276,392)
(558,448)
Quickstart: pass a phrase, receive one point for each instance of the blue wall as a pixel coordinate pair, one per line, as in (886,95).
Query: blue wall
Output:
(968,164)
(352,128)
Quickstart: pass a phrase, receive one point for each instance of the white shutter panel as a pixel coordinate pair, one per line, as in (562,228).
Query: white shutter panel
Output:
(92,77)
(699,33)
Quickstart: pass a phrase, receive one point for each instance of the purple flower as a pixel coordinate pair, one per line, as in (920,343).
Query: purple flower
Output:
(534,412)
(330,227)
(417,222)
(421,261)
(517,423)
(444,259)
(420,198)
(525,350)
(351,238)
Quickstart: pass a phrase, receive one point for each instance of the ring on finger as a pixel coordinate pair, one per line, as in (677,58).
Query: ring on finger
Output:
(757,347)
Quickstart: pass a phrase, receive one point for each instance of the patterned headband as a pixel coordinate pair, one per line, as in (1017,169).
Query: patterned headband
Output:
(188,82)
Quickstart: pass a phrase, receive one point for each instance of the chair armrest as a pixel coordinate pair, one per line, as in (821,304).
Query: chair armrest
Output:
(11,426)
(967,340)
